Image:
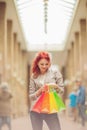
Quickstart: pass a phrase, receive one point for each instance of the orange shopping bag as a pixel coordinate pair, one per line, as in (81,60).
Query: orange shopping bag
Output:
(45,107)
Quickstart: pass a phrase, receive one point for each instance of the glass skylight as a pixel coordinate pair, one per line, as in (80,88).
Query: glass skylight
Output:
(41,35)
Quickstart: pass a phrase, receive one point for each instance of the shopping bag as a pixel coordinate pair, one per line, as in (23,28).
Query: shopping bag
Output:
(59,102)
(49,102)
(45,106)
(37,105)
(53,104)
(42,105)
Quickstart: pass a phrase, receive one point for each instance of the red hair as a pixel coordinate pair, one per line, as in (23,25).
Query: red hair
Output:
(40,55)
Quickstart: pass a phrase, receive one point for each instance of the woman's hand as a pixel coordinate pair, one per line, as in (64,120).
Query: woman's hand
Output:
(41,90)
(57,88)
(44,88)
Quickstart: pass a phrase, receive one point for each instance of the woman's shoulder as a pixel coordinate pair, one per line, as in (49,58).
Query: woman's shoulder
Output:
(54,70)
(32,76)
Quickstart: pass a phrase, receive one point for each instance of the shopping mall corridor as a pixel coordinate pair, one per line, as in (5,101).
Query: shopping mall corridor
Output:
(16,55)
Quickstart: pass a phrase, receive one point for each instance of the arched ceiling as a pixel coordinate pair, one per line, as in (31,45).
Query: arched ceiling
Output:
(46,22)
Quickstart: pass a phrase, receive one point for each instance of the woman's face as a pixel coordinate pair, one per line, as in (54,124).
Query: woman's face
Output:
(43,65)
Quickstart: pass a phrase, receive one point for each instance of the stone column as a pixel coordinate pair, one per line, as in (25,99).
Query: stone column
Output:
(14,74)
(68,71)
(26,71)
(19,61)
(24,83)
(77,54)
(69,67)
(83,46)
(9,49)
(15,54)
(72,59)
(19,75)
(23,66)
(3,42)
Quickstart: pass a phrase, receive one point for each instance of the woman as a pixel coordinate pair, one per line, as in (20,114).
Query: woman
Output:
(41,75)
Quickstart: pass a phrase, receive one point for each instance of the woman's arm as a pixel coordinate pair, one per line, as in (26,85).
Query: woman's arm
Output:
(33,93)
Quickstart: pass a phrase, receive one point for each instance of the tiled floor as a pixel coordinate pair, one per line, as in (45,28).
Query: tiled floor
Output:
(25,124)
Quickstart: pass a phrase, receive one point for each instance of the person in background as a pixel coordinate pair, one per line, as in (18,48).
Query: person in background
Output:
(81,97)
(41,74)
(5,105)
(72,103)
